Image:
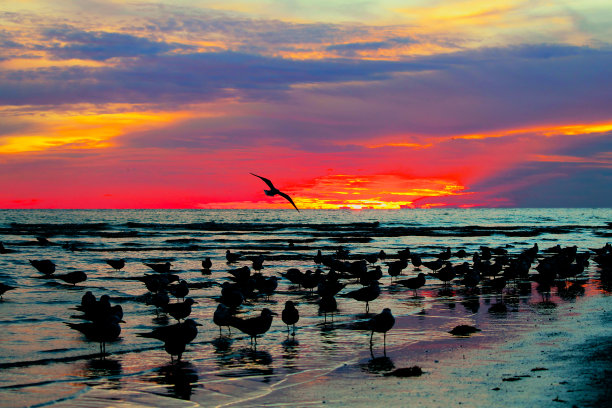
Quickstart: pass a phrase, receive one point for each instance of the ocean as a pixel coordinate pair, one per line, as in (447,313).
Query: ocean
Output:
(43,362)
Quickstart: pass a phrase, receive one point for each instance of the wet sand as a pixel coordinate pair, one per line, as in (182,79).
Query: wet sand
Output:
(555,357)
(549,349)
(537,354)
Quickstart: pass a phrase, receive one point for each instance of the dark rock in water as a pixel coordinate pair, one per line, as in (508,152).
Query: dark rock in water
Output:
(463,330)
(414,371)
(539,369)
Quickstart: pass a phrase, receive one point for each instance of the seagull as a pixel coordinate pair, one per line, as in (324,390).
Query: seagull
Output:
(102,331)
(365,294)
(116,264)
(413,283)
(254,325)
(290,316)
(175,337)
(222,317)
(72,277)
(275,191)
(4,288)
(180,310)
(382,323)
(44,266)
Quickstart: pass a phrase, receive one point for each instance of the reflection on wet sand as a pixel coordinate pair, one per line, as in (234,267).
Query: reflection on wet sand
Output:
(291,353)
(110,370)
(241,362)
(181,378)
(378,365)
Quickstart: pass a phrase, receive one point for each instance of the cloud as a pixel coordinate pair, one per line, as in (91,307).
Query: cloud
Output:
(183,78)
(71,43)
(354,48)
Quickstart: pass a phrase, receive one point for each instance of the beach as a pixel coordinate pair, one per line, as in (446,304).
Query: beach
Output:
(548,347)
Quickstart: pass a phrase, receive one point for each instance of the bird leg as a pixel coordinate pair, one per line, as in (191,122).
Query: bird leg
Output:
(385,344)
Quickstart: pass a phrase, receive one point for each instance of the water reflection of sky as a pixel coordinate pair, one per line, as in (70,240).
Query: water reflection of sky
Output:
(41,356)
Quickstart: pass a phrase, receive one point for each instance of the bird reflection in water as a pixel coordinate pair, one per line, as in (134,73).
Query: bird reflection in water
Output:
(378,365)
(108,369)
(498,309)
(445,292)
(290,353)
(255,363)
(223,351)
(252,362)
(181,379)
(511,298)
(471,303)
(570,291)
(415,302)
(605,281)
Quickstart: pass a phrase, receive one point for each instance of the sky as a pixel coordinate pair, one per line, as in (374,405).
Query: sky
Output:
(381,104)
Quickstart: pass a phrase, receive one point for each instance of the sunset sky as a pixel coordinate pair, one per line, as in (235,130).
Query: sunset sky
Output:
(343,104)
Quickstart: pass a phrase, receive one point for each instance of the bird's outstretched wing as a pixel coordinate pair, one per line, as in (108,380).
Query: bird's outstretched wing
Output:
(286,197)
(268,182)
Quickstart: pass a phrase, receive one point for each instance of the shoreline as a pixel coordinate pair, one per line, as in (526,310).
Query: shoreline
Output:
(559,370)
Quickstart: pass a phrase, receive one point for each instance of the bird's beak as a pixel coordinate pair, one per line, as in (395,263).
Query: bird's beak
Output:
(121,321)
(198,324)
(274,313)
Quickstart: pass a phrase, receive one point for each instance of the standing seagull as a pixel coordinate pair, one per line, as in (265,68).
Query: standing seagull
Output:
(275,191)
(382,323)
(290,316)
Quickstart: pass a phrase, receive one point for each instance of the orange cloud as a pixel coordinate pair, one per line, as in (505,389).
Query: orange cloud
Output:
(85,129)
(379,191)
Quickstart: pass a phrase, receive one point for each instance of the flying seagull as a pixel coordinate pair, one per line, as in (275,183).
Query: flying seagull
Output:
(275,191)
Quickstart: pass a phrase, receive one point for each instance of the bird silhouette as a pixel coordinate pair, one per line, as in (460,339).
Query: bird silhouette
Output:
(5,288)
(175,337)
(207,263)
(222,317)
(72,277)
(159,267)
(103,331)
(275,191)
(382,323)
(254,325)
(179,290)
(4,250)
(179,310)
(290,316)
(328,304)
(365,294)
(44,266)
(232,256)
(413,283)
(116,264)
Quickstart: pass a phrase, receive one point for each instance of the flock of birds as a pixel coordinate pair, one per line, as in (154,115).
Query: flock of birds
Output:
(491,268)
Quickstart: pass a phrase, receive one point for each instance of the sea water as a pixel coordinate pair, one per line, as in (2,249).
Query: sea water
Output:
(43,361)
